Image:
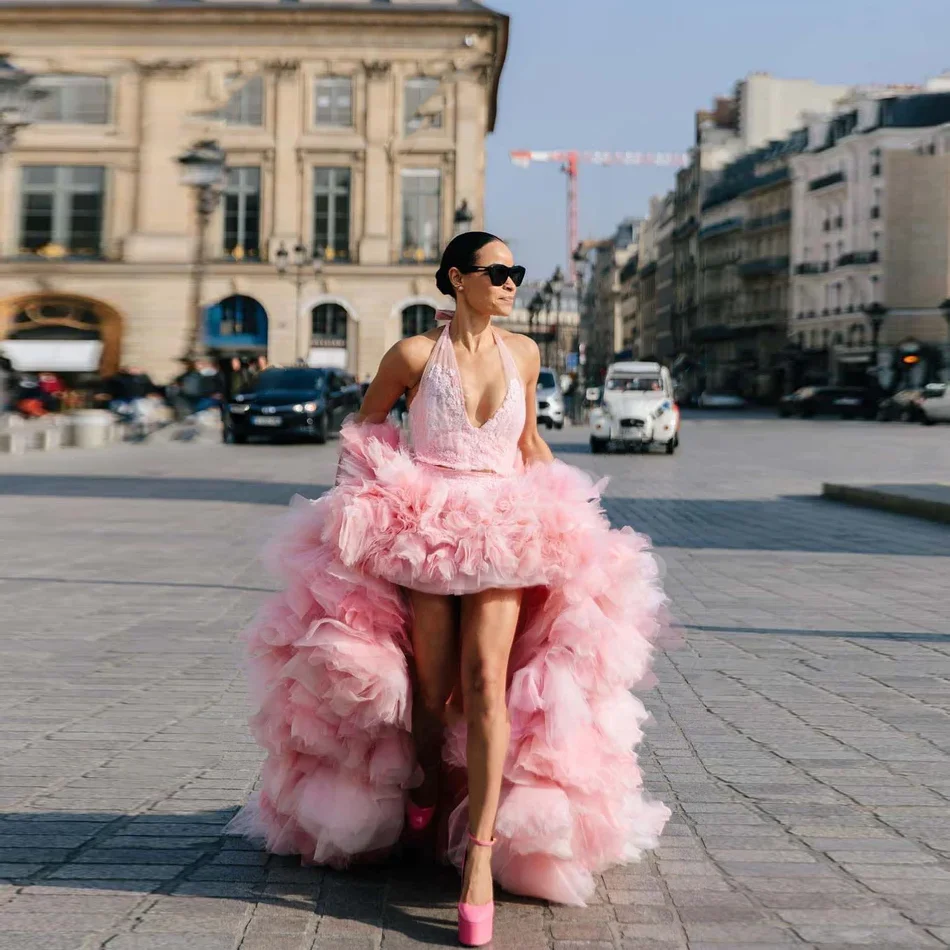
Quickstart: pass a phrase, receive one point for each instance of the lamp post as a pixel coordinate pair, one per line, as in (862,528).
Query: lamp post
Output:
(876,313)
(204,169)
(945,310)
(556,284)
(535,305)
(18,102)
(547,297)
(579,258)
(303,265)
(463,218)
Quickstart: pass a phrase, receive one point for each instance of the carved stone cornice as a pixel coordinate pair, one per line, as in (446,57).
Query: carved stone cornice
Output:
(166,67)
(282,67)
(377,68)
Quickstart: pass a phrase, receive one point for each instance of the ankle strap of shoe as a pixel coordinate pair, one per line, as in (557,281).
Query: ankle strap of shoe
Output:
(484,844)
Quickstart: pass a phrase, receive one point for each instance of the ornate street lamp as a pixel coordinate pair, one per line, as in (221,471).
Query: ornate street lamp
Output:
(18,101)
(463,218)
(876,313)
(204,169)
(534,308)
(304,265)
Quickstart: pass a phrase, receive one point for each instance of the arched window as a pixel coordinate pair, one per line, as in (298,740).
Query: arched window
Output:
(417,318)
(329,324)
(236,321)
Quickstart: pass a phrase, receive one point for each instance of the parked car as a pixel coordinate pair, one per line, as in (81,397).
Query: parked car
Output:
(935,403)
(292,401)
(903,406)
(637,409)
(711,400)
(550,400)
(848,402)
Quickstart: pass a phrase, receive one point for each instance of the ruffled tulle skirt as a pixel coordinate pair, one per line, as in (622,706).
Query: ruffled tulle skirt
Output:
(329,655)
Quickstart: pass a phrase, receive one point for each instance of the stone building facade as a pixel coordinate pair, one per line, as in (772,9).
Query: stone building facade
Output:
(354,130)
(870,230)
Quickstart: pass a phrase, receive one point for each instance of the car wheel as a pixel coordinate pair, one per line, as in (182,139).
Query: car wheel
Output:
(671,447)
(783,413)
(598,446)
(549,424)
(237,438)
(322,432)
(926,420)
(559,425)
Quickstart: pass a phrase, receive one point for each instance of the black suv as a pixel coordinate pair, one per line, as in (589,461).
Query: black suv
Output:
(293,401)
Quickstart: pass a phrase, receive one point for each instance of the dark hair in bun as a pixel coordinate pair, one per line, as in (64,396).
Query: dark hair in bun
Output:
(460,252)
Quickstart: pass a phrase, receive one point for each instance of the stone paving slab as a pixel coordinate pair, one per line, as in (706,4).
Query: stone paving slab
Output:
(800,734)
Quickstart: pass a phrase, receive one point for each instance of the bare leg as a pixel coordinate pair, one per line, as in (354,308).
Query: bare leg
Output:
(435,656)
(488,622)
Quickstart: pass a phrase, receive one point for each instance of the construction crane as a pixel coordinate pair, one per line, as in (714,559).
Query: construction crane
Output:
(571,159)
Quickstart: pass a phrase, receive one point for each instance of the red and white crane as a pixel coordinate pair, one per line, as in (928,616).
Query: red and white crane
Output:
(571,159)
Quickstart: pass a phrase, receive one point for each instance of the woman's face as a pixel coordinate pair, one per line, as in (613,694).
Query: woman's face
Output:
(476,288)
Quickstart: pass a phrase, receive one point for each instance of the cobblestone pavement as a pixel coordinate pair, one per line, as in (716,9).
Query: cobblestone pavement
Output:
(801,734)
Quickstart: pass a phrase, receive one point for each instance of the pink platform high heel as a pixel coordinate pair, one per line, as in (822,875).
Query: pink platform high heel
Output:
(476,920)
(418,817)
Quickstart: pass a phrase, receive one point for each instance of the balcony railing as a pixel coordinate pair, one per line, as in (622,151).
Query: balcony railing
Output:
(812,267)
(764,266)
(858,257)
(769,220)
(826,181)
(721,227)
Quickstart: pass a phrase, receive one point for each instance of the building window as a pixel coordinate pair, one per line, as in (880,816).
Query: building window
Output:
(329,324)
(83,100)
(417,319)
(422,109)
(333,96)
(331,213)
(421,211)
(61,212)
(246,105)
(242,213)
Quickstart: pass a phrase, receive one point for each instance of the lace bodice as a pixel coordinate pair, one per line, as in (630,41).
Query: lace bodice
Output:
(439,428)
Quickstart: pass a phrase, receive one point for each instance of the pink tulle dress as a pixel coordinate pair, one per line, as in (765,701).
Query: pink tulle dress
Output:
(451,509)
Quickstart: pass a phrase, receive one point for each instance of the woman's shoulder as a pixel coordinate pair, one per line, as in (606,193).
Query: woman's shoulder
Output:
(521,345)
(412,352)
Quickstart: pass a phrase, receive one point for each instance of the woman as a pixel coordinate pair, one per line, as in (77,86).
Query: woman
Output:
(458,600)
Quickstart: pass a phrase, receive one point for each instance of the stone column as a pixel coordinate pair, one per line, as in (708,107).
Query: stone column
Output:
(164,215)
(287,181)
(471,118)
(375,244)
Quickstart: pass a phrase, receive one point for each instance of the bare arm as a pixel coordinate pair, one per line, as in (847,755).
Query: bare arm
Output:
(533,447)
(399,370)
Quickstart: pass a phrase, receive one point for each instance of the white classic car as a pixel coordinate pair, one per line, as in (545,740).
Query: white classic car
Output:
(637,409)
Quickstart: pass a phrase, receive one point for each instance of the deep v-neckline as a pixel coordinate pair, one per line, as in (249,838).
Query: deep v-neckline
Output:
(460,389)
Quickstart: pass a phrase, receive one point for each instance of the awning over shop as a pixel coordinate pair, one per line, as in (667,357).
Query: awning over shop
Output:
(52,356)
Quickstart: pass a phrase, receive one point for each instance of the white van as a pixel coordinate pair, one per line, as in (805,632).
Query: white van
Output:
(637,409)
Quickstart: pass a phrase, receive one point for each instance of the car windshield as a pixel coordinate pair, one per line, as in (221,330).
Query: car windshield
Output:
(634,384)
(301,380)
(546,380)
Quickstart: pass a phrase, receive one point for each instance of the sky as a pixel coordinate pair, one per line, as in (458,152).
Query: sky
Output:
(629,75)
